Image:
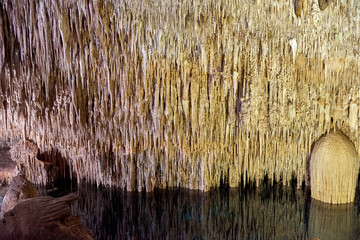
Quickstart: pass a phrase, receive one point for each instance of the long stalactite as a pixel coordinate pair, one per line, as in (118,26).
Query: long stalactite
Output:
(145,94)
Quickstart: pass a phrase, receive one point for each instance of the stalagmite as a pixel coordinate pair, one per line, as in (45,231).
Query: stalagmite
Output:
(334,168)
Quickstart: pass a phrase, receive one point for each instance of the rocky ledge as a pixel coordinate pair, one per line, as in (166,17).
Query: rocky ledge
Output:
(39,217)
(20,188)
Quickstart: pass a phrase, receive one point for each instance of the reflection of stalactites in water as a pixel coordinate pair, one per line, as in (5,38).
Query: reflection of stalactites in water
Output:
(182,214)
(266,212)
(307,196)
(332,221)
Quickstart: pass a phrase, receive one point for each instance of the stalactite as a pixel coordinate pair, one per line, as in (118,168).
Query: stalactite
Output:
(159,93)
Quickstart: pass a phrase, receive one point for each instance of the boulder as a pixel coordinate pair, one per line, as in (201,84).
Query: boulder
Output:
(20,188)
(43,218)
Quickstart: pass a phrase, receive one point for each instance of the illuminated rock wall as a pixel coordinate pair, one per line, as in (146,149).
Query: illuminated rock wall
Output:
(334,169)
(144,94)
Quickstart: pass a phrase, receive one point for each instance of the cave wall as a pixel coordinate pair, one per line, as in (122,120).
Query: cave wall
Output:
(144,94)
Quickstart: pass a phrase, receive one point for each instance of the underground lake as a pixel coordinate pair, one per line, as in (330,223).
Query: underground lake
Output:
(179,119)
(265,212)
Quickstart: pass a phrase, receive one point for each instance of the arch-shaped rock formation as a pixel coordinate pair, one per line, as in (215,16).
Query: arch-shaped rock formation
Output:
(334,168)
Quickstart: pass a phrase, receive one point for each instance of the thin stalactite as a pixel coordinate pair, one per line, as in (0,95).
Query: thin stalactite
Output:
(145,94)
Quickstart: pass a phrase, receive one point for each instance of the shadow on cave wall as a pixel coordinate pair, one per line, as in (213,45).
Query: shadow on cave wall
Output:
(62,181)
(300,6)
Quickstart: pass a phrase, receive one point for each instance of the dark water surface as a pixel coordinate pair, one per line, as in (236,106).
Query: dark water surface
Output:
(251,213)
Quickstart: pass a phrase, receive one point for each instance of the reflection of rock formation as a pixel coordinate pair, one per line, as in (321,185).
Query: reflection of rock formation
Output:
(333,222)
(265,213)
(181,214)
(43,218)
(144,94)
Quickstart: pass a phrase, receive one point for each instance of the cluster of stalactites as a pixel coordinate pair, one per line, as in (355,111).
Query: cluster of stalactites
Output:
(144,94)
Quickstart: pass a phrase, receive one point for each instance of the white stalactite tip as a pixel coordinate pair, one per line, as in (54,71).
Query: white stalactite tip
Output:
(334,168)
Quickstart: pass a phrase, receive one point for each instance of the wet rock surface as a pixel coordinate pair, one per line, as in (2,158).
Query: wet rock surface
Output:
(20,188)
(43,218)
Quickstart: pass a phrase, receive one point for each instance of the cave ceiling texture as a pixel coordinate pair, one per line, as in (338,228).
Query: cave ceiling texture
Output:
(155,94)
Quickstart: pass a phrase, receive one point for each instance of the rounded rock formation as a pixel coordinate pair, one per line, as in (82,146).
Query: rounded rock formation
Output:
(334,169)
(43,218)
(323,4)
(20,188)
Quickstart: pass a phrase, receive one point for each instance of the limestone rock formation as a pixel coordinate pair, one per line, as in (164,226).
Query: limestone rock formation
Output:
(43,218)
(334,168)
(3,191)
(144,94)
(24,154)
(323,4)
(7,167)
(20,188)
(42,169)
(300,6)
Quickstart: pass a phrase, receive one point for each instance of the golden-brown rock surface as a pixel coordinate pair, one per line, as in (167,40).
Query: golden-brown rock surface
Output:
(144,94)
(334,169)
